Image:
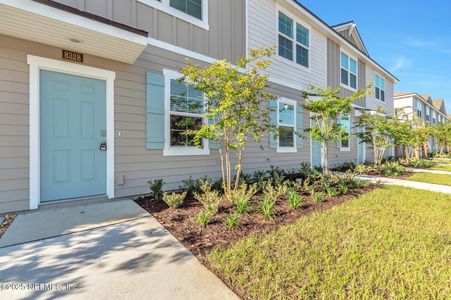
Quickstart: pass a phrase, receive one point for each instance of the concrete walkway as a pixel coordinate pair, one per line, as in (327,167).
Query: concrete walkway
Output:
(428,171)
(133,259)
(406,183)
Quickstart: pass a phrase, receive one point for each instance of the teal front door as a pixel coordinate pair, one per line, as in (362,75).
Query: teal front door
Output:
(316,154)
(72,129)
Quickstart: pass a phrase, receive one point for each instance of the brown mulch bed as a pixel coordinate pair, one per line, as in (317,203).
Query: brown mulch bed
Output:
(9,218)
(181,223)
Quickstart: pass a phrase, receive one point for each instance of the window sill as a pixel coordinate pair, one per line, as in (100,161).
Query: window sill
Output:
(185,151)
(287,150)
(348,87)
(293,64)
(177,13)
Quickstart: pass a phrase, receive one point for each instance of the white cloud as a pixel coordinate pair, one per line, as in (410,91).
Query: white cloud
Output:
(400,63)
(420,43)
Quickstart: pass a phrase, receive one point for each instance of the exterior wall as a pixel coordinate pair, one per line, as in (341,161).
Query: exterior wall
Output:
(407,105)
(224,39)
(333,72)
(336,156)
(134,164)
(371,101)
(263,32)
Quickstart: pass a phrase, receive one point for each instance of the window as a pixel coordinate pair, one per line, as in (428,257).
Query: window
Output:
(190,7)
(428,114)
(184,108)
(380,88)
(191,11)
(419,109)
(348,71)
(294,41)
(345,143)
(286,116)
(434,117)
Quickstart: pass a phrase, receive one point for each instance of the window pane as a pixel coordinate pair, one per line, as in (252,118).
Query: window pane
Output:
(191,7)
(302,35)
(344,76)
(285,25)
(353,64)
(285,48)
(286,136)
(353,79)
(345,140)
(377,81)
(377,93)
(382,84)
(194,8)
(382,95)
(344,62)
(286,114)
(185,98)
(179,125)
(302,56)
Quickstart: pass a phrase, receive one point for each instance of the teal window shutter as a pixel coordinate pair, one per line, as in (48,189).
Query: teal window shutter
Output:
(299,129)
(273,120)
(155,111)
(212,145)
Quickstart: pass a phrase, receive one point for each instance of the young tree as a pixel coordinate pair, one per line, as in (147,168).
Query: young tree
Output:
(236,106)
(379,132)
(442,134)
(327,110)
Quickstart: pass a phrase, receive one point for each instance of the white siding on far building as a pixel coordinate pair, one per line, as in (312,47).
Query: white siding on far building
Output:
(371,101)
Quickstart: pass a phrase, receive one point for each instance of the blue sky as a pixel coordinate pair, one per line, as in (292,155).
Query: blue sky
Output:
(412,39)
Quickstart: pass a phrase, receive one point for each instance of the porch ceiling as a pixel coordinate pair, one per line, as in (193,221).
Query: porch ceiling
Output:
(30,20)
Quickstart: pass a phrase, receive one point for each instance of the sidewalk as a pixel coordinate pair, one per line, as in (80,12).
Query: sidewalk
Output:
(406,183)
(428,171)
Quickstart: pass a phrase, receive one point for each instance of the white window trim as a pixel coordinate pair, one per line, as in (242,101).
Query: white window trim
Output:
(349,72)
(346,149)
(40,63)
(293,149)
(174,150)
(293,40)
(380,94)
(165,7)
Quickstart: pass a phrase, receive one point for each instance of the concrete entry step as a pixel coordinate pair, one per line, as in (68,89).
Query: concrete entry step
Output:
(60,220)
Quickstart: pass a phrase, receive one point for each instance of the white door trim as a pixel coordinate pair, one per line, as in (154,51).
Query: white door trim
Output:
(40,63)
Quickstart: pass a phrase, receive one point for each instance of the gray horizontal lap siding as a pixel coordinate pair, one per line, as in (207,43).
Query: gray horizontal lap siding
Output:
(333,72)
(133,161)
(224,39)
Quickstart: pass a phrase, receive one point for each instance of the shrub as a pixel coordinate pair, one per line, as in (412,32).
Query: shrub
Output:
(209,198)
(392,169)
(275,192)
(424,164)
(294,199)
(192,186)
(345,167)
(343,188)
(276,175)
(242,197)
(156,188)
(331,192)
(174,200)
(203,218)
(318,197)
(267,206)
(232,220)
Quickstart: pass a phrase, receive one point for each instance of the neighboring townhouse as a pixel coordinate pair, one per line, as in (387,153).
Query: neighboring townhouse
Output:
(410,104)
(87,89)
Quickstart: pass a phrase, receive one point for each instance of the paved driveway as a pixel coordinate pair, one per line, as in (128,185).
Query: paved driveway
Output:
(135,259)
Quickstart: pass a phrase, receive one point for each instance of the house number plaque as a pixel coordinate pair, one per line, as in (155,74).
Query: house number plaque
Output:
(73,56)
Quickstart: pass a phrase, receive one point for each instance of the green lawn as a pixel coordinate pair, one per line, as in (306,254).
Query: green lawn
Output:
(442,167)
(391,243)
(442,179)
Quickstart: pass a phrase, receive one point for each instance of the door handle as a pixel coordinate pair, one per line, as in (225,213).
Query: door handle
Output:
(103,146)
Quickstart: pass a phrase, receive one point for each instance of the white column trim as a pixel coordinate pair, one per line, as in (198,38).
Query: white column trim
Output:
(40,63)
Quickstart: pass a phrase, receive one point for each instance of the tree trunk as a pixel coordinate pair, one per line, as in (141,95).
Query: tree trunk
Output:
(324,156)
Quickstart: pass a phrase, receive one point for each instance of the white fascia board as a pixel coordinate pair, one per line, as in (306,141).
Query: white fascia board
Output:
(73,19)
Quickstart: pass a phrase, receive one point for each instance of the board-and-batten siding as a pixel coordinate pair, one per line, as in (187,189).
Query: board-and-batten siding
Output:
(224,39)
(263,32)
(133,162)
(333,72)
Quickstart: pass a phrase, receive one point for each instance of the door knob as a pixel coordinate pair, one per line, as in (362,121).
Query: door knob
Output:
(103,146)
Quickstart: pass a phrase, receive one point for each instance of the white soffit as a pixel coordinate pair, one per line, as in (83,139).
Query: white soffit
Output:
(29,20)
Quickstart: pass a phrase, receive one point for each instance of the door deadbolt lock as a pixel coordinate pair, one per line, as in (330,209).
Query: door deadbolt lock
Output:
(103,146)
